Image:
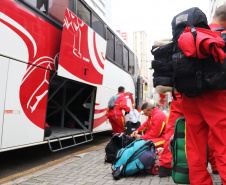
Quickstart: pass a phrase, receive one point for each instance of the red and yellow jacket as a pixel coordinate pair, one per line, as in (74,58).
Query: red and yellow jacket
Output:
(154,127)
(120,104)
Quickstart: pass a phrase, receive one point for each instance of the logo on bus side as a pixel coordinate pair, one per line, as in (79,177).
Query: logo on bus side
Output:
(82,51)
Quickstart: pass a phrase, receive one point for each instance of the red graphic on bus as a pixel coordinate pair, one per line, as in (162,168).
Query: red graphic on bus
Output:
(34,85)
(82,51)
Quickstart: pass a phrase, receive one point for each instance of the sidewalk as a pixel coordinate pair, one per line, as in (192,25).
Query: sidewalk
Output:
(89,168)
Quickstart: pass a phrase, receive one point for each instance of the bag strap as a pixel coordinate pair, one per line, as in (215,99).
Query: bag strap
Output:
(198,69)
(116,97)
(115,114)
(181,169)
(219,29)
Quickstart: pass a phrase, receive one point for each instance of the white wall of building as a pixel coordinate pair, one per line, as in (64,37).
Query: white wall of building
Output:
(213,5)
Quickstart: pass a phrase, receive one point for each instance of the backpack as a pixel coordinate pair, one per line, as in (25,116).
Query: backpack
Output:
(136,157)
(111,103)
(180,171)
(188,75)
(117,142)
(131,127)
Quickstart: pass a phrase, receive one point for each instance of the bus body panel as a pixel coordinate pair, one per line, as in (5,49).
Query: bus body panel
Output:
(32,46)
(4,65)
(25,105)
(113,78)
(37,41)
(100,119)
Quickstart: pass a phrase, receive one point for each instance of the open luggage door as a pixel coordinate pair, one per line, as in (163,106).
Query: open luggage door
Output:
(72,91)
(82,52)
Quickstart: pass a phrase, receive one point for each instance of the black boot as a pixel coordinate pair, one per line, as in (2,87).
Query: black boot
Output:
(164,172)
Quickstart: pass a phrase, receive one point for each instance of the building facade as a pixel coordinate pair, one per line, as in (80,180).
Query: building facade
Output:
(141,47)
(214,4)
(102,7)
(124,35)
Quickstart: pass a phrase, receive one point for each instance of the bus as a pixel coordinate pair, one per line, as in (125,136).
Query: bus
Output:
(60,63)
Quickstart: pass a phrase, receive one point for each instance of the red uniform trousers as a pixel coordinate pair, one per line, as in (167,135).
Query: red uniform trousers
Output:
(175,112)
(207,111)
(166,156)
(211,154)
(118,125)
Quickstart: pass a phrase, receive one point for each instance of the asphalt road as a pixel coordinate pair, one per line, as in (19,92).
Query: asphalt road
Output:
(12,162)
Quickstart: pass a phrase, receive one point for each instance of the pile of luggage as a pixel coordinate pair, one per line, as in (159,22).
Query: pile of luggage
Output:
(129,156)
(193,62)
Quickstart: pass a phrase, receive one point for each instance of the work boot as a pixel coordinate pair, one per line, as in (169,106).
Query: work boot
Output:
(164,172)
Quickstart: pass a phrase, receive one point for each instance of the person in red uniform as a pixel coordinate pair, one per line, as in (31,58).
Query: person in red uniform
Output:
(203,113)
(116,117)
(154,127)
(165,160)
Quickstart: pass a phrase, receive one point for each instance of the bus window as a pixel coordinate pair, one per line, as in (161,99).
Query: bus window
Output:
(57,9)
(98,26)
(131,63)
(110,45)
(83,13)
(118,52)
(125,59)
(39,4)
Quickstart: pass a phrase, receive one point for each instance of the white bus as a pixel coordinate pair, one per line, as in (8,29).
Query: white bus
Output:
(59,64)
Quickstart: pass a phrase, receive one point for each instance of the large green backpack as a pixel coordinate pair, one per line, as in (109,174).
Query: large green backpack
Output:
(180,172)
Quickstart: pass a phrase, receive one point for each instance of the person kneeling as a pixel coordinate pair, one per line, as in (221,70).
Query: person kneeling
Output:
(154,127)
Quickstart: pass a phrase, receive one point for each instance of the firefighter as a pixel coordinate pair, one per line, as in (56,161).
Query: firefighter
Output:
(115,115)
(203,113)
(175,112)
(154,127)
(165,160)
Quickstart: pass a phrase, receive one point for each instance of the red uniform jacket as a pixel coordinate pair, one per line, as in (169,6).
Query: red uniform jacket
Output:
(154,127)
(208,43)
(120,104)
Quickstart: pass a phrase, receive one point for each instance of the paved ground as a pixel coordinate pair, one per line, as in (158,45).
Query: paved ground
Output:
(89,168)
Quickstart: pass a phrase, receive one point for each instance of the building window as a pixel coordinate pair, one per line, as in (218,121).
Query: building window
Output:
(83,13)
(110,45)
(125,59)
(98,26)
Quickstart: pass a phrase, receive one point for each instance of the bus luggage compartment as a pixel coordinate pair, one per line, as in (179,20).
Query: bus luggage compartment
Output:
(70,107)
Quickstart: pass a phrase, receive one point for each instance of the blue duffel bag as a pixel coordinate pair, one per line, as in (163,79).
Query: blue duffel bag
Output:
(136,157)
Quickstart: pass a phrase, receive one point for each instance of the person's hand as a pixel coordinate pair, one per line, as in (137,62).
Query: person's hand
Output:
(134,133)
(137,136)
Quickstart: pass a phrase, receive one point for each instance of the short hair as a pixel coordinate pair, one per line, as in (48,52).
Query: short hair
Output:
(121,89)
(220,13)
(147,106)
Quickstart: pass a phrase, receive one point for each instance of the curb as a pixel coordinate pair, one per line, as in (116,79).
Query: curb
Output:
(49,166)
